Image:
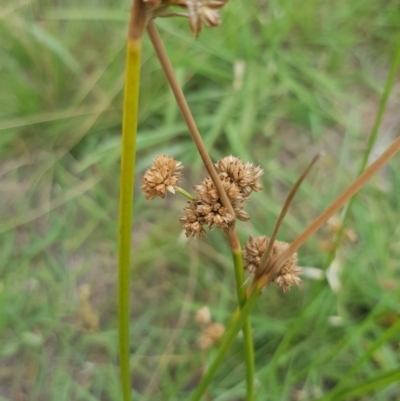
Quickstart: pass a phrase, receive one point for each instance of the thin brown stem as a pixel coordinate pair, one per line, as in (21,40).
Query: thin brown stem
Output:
(282,215)
(186,113)
(275,265)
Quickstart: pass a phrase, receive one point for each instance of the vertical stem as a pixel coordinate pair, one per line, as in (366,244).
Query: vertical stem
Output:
(129,128)
(242,297)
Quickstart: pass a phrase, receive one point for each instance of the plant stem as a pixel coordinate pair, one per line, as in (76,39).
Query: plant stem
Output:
(184,193)
(237,323)
(242,297)
(371,141)
(186,113)
(129,127)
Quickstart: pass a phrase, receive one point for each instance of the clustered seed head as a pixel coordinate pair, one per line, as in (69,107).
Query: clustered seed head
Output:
(254,250)
(203,316)
(211,332)
(245,175)
(161,177)
(238,180)
(210,335)
(199,12)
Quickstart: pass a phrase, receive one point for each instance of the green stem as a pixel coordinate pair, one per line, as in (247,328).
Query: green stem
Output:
(238,320)
(371,141)
(129,128)
(184,193)
(247,332)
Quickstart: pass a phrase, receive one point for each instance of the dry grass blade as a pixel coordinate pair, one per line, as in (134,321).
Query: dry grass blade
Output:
(284,210)
(278,262)
(187,115)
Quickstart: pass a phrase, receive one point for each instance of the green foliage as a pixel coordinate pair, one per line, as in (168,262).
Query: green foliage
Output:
(313,75)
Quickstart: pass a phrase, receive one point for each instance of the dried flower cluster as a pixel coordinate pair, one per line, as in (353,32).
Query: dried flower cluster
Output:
(161,177)
(239,180)
(199,12)
(211,332)
(254,250)
(333,227)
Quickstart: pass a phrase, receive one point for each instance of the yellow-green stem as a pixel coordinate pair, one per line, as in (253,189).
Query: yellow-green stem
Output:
(236,251)
(247,332)
(129,128)
(184,193)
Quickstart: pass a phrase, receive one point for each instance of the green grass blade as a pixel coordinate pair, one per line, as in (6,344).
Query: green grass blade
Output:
(129,128)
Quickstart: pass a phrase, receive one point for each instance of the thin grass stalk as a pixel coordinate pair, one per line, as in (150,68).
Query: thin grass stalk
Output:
(368,386)
(129,128)
(390,332)
(240,316)
(242,297)
(238,320)
(371,141)
(283,212)
(186,113)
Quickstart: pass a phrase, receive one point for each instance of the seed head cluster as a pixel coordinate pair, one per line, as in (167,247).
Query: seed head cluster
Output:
(211,332)
(161,177)
(239,180)
(254,250)
(199,12)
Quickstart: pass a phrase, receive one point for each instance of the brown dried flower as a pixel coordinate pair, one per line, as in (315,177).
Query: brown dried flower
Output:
(203,316)
(193,221)
(199,12)
(161,177)
(238,180)
(254,250)
(203,12)
(244,175)
(210,335)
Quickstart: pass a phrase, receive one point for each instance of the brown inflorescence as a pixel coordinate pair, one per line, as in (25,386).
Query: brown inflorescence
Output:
(161,177)
(254,250)
(210,332)
(239,180)
(199,12)
(210,335)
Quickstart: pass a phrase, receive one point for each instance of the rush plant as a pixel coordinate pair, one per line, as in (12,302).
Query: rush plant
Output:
(220,199)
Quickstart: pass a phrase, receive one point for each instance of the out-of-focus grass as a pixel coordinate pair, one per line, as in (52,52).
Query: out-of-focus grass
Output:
(313,73)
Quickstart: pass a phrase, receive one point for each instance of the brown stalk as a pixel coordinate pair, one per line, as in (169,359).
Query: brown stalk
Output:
(137,21)
(186,113)
(275,265)
(282,215)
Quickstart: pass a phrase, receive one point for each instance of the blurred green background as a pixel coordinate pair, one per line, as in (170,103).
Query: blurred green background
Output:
(276,83)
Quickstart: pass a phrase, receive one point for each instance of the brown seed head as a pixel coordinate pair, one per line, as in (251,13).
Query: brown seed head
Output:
(238,180)
(244,175)
(161,177)
(193,221)
(199,12)
(254,250)
(203,316)
(210,335)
